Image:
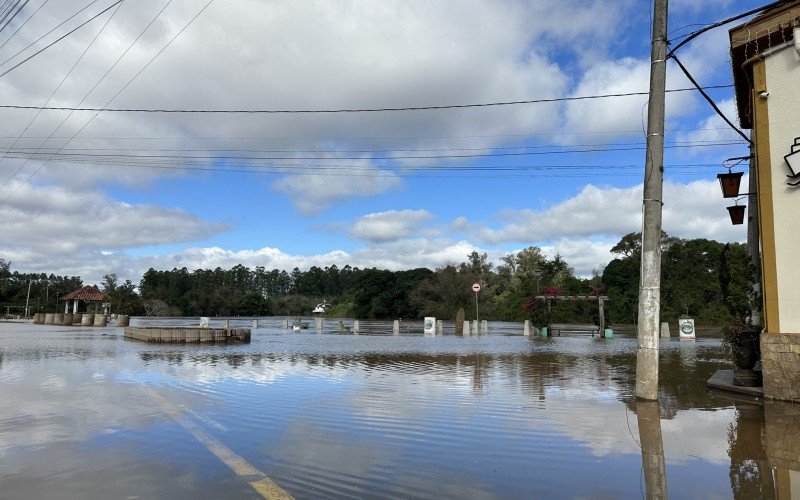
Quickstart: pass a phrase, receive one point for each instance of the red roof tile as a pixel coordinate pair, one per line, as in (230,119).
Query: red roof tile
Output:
(90,293)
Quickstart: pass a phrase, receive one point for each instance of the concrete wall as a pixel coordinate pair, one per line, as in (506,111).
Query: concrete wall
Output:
(783,85)
(181,335)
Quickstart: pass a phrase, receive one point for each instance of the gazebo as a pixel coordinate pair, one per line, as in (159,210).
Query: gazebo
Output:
(89,294)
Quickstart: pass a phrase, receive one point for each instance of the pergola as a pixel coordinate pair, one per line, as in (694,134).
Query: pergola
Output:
(89,294)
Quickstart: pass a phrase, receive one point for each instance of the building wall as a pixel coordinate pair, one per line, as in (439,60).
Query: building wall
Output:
(783,84)
(777,122)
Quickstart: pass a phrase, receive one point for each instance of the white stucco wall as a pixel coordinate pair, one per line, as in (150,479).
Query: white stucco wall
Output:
(783,84)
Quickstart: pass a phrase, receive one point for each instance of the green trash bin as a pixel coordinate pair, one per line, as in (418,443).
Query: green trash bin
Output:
(609,333)
(544,331)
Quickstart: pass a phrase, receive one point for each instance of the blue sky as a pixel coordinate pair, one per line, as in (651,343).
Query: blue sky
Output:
(95,214)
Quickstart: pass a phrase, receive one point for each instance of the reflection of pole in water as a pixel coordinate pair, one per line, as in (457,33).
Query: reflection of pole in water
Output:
(655,476)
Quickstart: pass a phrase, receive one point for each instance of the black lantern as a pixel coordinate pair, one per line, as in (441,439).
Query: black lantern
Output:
(729,182)
(737,214)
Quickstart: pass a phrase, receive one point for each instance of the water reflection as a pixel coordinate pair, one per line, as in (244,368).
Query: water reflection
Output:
(369,415)
(653,464)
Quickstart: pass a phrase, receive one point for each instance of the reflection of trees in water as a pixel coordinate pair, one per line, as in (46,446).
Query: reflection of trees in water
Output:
(750,472)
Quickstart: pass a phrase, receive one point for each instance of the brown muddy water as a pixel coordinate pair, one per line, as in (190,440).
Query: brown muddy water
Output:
(85,413)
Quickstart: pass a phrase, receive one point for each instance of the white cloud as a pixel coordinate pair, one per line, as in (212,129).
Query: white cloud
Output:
(693,210)
(391,225)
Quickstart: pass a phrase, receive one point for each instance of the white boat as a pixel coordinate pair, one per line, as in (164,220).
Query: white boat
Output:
(320,309)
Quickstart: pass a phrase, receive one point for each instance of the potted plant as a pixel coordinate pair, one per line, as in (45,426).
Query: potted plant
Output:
(741,344)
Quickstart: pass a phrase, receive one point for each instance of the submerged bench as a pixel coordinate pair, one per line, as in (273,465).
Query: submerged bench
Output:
(557,328)
(188,335)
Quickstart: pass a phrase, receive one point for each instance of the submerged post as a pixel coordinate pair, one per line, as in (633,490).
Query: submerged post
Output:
(396,327)
(650,289)
(526,329)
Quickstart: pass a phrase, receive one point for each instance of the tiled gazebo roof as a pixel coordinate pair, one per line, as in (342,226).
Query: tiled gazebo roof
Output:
(88,293)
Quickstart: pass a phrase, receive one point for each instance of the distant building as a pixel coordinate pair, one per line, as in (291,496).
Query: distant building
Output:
(765,53)
(91,296)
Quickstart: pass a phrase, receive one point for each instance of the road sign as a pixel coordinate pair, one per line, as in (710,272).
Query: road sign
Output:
(476,287)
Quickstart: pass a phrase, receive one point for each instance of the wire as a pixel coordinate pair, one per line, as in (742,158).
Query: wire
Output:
(23,24)
(708,98)
(80,58)
(349,110)
(386,157)
(153,58)
(7,19)
(691,36)
(62,23)
(703,143)
(12,68)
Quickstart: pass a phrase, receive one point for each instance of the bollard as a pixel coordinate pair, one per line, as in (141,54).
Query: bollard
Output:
(526,329)
(87,319)
(485,326)
(77,318)
(396,327)
(356,326)
(286,323)
(319,325)
(609,333)
(439,326)
(255,323)
(100,320)
(67,319)
(544,331)
(48,319)
(466,328)
(123,320)
(474,328)
(665,330)
(226,324)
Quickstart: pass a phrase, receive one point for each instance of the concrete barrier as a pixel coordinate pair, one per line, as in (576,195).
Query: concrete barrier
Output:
(192,335)
(38,318)
(123,320)
(77,318)
(58,319)
(48,318)
(100,320)
(466,328)
(67,319)
(396,327)
(87,319)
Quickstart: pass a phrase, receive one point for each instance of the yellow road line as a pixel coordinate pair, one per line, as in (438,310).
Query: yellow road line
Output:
(264,486)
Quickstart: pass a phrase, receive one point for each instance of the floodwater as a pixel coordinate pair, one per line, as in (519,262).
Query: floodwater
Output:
(85,413)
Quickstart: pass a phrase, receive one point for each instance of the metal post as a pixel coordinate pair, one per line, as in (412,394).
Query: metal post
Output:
(650,289)
(477,317)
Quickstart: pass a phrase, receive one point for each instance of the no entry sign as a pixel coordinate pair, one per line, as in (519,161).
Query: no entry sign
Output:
(476,287)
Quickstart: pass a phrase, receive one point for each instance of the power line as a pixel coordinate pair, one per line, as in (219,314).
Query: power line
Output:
(73,30)
(46,150)
(23,24)
(8,17)
(64,79)
(62,23)
(59,154)
(351,110)
(153,58)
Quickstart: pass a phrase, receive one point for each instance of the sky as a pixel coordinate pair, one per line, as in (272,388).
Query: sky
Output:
(90,193)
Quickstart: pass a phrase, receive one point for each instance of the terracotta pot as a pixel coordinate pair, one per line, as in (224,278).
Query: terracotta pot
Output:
(747,350)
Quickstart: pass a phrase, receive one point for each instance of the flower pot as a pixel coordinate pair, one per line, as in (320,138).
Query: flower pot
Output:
(730,183)
(737,214)
(746,353)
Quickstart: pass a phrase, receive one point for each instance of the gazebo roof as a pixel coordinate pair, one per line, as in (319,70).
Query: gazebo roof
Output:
(88,293)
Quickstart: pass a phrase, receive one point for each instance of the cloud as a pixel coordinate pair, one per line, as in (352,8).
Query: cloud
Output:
(313,192)
(43,224)
(693,210)
(391,225)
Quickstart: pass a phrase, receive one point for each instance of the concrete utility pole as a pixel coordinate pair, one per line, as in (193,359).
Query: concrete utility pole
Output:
(753,231)
(650,289)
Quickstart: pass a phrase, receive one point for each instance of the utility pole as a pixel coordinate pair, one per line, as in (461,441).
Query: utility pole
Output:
(753,232)
(650,289)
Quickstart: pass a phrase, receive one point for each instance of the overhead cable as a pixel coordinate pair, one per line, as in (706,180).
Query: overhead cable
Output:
(350,110)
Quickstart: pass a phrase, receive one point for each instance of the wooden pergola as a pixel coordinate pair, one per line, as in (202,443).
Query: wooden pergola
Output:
(601,299)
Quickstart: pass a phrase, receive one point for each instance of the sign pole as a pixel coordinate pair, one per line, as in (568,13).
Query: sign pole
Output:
(477,288)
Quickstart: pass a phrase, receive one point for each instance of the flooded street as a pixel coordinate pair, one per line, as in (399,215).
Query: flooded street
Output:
(85,413)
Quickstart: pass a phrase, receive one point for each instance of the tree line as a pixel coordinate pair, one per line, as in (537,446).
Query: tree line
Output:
(704,279)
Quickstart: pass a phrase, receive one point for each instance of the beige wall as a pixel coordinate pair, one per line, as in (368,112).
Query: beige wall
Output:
(783,84)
